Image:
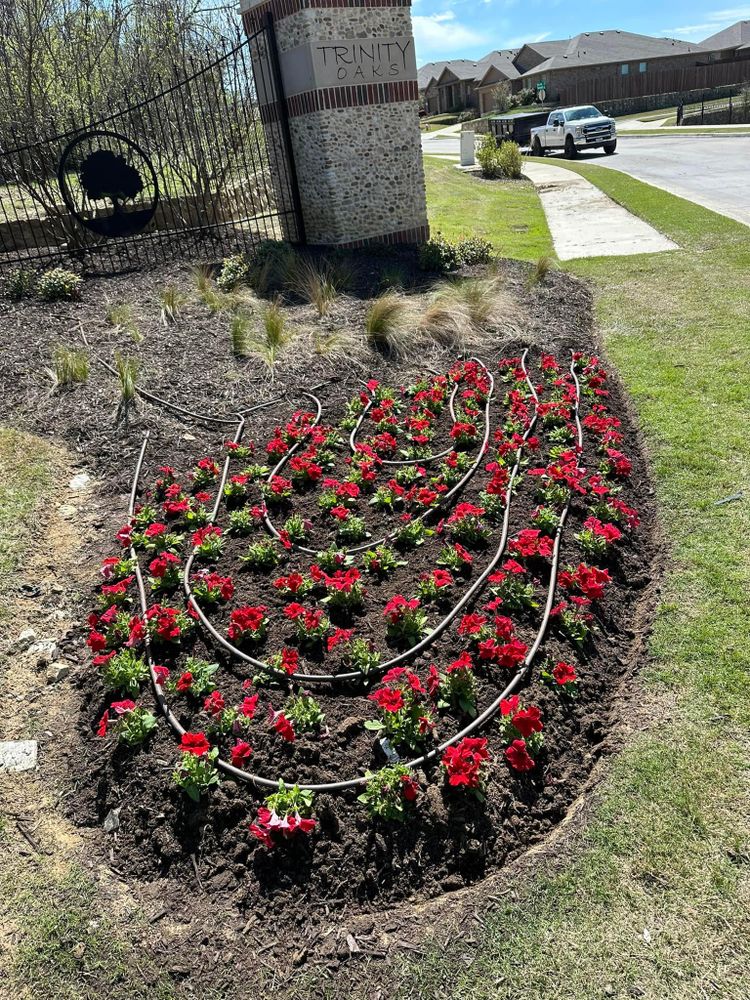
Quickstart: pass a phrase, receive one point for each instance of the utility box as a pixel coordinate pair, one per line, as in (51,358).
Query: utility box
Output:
(467,149)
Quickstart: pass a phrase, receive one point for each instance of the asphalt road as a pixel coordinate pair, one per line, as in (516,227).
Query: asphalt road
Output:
(713,171)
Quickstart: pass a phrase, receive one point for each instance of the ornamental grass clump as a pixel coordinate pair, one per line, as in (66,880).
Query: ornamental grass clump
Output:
(384,324)
(70,367)
(171,301)
(127,373)
(316,283)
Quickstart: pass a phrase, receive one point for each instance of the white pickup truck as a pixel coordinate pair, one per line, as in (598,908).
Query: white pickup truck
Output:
(571,129)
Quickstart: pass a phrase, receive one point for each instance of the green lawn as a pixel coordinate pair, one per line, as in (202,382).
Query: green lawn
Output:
(653,901)
(508,213)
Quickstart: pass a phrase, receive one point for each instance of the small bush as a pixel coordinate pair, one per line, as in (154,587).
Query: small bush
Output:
(70,366)
(58,285)
(19,284)
(475,250)
(234,271)
(487,156)
(439,255)
(467,116)
(509,160)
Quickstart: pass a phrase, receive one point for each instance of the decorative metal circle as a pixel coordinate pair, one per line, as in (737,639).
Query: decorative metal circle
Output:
(108,183)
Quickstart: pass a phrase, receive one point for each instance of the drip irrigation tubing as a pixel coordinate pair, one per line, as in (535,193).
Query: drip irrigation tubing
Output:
(489,712)
(406,461)
(152,397)
(426,641)
(420,517)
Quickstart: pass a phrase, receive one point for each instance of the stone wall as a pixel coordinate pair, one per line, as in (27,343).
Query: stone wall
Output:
(353,117)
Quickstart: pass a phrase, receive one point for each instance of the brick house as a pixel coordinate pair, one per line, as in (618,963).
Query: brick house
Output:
(614,60)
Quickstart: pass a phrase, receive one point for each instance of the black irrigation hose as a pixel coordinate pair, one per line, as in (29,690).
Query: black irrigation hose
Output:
(420,517)
(428,640)
(476,723)
(159,400)
(405,461)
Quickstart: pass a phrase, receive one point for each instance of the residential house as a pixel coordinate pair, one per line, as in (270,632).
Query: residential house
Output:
(455,86)
(731,43)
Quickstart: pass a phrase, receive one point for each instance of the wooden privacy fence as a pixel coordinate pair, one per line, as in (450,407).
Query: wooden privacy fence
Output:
(666,81)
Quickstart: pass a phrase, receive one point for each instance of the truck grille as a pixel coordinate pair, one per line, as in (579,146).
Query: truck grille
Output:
(595,133)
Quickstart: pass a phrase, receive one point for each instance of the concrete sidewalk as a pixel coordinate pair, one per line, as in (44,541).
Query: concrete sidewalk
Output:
(584,222)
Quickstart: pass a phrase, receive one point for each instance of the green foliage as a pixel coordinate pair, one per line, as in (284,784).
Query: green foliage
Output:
(240,333)
(59,285)
(509,160)
(271,262)
(384,792)
(487,156)
(136,726)
(171,301)
(292,800)
(304,713)
(127,373)
(234,271)
(124,672)
(542,267)
(439,255)
(19,284)
(203,676)
(261,555)
(197,775)
(475,250)
(70,366)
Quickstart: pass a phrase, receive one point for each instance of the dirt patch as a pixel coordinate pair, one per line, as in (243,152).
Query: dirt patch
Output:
(196,870)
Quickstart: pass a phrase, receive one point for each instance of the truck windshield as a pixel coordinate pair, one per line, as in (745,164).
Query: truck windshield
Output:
(578,113)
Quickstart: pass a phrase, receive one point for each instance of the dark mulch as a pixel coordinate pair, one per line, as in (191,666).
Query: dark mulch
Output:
(351,866)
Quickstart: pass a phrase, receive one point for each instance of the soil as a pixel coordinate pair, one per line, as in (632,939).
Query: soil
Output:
(199,864)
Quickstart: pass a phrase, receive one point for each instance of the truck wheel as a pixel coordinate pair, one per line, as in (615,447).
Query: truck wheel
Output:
(610,147)
(536,147)
(570,148)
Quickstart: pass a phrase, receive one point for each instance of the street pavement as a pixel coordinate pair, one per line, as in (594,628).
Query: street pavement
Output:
(713,171)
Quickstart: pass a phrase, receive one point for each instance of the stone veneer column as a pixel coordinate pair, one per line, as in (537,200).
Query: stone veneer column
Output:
(350,84)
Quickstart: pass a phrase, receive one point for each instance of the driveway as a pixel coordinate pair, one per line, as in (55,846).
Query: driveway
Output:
(712,171)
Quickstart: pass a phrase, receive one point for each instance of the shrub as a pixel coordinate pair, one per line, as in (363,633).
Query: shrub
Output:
(439,255)
(475,250)
(71,366)
(19,284)
(487,156)
(509,160)
(234,270)
(58,285)
(467,116)
(270,264)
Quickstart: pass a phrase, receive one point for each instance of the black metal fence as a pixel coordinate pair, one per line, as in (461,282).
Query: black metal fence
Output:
(196,168)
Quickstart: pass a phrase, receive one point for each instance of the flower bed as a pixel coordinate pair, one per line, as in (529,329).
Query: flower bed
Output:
(387,612)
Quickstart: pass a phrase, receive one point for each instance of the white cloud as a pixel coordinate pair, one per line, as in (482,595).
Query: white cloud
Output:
(715,21)
(440,36)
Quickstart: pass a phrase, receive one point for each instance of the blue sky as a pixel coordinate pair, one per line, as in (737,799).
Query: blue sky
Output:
(452,29)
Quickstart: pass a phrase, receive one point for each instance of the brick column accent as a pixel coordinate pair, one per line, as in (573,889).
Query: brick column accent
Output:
(350,84)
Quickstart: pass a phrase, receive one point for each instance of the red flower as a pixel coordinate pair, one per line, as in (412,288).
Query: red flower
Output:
(161,674)
(463,762)
(240,753)
(101,729)
(339,636)
(387,699)
(185,682)
(249,706)
(284,727)
(289,660)
(409,788)
(96,642)
(341,513)
(214,704)
(518,756)
(528,721)
(509,705)
(195,743)
(471,624)
(564,673)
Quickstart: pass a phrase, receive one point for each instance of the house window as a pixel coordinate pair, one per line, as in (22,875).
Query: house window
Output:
(624,69)
(642,67)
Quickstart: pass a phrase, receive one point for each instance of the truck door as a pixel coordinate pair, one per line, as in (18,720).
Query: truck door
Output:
(554,131)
